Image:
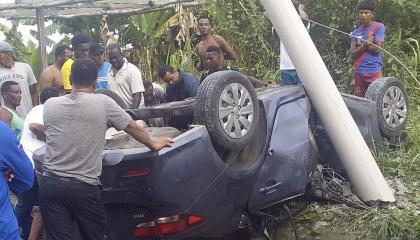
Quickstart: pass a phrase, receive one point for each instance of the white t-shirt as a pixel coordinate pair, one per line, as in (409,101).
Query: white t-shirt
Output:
(126,82)
(22,74)
(285,62)
(29,141)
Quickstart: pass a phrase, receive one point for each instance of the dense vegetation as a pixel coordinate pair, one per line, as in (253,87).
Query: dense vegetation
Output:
(243,24)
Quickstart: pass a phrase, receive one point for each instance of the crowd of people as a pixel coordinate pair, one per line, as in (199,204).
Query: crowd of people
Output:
(70,120)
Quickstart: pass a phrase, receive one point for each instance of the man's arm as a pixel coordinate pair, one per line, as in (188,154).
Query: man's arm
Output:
(200,66)
(14,162)
(136,86)
(366,46)
(224,46)
(34,94)
(193,85)
(38,130)
(357,51)
(304,15)
(119,119)
(5,116)
(136,99)
(257,83)
(378,38)
(137,132)
(374,48)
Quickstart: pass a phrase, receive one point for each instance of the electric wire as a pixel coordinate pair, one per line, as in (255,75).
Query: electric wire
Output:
(351,35)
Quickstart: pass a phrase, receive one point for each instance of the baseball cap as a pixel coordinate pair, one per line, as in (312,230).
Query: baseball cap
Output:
(96,49)
(5,47)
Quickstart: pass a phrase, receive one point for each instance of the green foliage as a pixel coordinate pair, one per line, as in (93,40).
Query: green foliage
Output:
(397,225)
(246,29)
(243,24)
(144,33)
(33,59)
(402,32)
(183,59)
(14,38)
(88,25)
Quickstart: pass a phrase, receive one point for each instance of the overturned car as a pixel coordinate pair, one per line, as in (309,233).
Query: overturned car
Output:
(247,150)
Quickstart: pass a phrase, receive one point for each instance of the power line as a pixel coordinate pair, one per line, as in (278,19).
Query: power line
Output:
(351,35)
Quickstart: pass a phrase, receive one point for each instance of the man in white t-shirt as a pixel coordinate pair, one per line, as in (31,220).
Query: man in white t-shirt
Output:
(124,78)
(287,70)
(33,138)
(22,74)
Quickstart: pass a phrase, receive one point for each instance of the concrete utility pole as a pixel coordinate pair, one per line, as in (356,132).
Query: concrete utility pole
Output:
(360,165)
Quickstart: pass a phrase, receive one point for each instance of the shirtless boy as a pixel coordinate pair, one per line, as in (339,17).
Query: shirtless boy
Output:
(51,76)
(208,39)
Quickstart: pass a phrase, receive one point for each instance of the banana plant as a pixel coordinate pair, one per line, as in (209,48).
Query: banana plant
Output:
(150,37)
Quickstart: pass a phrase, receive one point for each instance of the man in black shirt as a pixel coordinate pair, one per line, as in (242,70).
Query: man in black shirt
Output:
(180,86)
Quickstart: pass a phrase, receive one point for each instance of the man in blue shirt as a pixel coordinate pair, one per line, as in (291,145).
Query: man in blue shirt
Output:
(19,177)
(97,53)
(367,56)
(180,86)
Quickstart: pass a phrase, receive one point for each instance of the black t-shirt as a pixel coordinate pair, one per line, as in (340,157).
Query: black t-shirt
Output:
(185,87)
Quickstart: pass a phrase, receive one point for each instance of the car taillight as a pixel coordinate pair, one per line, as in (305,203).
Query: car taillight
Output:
(166,225)
(136,172)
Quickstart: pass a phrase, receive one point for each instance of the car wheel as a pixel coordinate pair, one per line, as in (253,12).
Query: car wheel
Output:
(227,104)
(112,95)
(391,105)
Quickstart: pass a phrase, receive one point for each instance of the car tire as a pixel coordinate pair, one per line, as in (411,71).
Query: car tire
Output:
(231,119)
(114,97)
(392,106)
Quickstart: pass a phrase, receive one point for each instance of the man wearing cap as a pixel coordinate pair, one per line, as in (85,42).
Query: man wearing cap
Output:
(98,56)
(22,74)
(51,76)
(367,56)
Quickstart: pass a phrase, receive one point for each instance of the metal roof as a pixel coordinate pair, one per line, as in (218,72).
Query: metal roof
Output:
(74,8)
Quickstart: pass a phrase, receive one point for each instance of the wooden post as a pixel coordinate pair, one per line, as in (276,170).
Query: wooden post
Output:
(364,173)
(40,23)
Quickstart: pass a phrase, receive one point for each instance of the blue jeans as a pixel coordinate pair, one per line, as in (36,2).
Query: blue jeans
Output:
(23,209)
(289,77)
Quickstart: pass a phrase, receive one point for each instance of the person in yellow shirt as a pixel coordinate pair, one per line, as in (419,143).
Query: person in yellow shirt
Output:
(81,48)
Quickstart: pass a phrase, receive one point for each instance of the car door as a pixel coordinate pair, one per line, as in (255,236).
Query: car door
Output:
(291,156)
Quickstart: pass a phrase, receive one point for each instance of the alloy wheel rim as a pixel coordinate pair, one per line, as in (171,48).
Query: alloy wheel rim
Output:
(236,110)
(394,107)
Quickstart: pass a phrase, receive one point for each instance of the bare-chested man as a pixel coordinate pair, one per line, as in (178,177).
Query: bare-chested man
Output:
(51,76)
(208,39)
